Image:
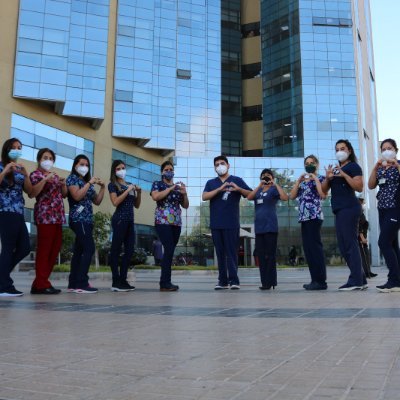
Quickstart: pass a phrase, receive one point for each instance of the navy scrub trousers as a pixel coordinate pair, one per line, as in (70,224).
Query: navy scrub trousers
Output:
(347,237)
(313,249)
(226,243)
(389,223)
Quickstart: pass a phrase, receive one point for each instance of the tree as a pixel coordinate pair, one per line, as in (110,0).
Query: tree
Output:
(101,232)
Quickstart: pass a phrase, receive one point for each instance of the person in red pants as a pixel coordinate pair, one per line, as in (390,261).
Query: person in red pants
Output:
(49,190)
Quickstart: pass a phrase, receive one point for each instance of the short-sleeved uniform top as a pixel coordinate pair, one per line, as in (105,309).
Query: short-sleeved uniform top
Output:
(309,200)
(265,218)
(343,196)
(11,196)
(124,211)
(49,206)
(224,214)
(81,211)
(168,210)
(389,191)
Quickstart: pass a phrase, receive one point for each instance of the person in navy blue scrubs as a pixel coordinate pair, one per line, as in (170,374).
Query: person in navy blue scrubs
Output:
(344,180)
(265,197)
(386,175)
(224,193)
(308,191)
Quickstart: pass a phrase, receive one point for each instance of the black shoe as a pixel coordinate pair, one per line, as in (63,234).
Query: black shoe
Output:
(372,275)
(268,287)
(315,286)
(50,290)
(169,288)
(11,293)
(388,287)
(118,286)
(126,285)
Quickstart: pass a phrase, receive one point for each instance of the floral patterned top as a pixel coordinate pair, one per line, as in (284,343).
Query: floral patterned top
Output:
(309,200)
(168,210)
(389,187)
(81,211)
(11,196)
(124,211)
(49,206)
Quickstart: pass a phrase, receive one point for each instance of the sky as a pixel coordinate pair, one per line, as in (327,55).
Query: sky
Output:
(386,41)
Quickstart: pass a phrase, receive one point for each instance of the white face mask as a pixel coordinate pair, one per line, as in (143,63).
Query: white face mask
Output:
(221,170)
(121,173)
(82,170)
(388,155)
(47,165)
(342,155)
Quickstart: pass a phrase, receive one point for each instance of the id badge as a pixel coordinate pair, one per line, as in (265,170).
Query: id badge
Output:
(382,181)
(260,201)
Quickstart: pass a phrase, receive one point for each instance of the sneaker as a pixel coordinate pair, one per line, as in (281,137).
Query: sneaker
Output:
(347,287)
(364,286)
(234,287)
(71,290)
(221,287)
(387,288)
(126,285)
(372,275)
(315,286)
(118,287)
(50,290)
(11,293)
(169,288)
(88,289)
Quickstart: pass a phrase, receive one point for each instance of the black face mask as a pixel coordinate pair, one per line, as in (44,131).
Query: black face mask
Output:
(311,168)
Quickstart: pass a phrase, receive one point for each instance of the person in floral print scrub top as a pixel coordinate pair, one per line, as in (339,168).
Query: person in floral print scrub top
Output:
(49,190)
(14,235)
(81,195)
(170,197)
(308,191)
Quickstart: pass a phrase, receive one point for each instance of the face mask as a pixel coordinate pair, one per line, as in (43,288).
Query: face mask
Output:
(168,175)
(14,154)
(388,155)
(121,173)
(311,168)
(82,170)
(47,165)
(221,170)
(342,155)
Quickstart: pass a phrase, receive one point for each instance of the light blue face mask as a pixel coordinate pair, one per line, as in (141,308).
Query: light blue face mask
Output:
(14,154)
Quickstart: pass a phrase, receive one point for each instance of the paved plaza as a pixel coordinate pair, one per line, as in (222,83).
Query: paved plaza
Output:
(202,344)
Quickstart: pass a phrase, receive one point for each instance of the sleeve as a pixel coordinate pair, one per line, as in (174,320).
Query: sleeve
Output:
(207,188)
(321,178)
(243,184)
(71,181)
(355,170)
(155,187)
(35,177)
(112,188)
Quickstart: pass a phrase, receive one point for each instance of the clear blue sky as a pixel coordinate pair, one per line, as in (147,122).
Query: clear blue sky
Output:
(386,39)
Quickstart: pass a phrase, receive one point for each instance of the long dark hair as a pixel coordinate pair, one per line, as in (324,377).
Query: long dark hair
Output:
(5,159)
(79,157)
(352,156)
(113,176)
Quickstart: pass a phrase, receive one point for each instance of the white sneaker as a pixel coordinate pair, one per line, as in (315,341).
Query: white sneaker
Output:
(234,287)
(221,287)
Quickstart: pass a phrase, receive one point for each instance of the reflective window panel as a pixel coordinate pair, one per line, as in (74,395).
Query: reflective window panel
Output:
(34,136)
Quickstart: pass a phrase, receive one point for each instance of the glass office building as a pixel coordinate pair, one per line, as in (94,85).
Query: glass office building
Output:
(265,82)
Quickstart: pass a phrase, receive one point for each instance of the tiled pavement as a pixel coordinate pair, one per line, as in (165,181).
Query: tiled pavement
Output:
(200,344)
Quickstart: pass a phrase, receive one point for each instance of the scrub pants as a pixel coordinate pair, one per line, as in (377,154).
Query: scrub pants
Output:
(389,223)
(49,240)
(226,242)
(347,237)
(313,249)
(15,246)
(266,244)
(123,234)
(169,237)
(84,248)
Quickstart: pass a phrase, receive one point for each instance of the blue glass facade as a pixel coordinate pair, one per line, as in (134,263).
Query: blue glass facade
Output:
(34,136)
(167,91)
(61,55)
